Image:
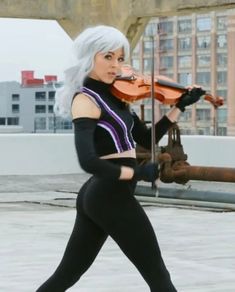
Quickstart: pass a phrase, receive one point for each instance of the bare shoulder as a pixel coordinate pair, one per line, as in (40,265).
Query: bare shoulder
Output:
(84,106)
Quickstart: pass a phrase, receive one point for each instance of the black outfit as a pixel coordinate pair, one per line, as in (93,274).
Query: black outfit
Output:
(106,205)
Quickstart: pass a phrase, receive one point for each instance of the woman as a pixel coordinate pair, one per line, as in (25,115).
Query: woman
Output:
(105,136)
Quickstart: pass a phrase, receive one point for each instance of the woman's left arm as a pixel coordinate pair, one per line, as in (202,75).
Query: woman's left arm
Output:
(142,134)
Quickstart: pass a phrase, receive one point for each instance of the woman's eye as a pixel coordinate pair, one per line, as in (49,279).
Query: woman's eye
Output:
(121,59)
(108,57)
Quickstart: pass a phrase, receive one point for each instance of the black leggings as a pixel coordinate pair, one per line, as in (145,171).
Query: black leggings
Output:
(108,207)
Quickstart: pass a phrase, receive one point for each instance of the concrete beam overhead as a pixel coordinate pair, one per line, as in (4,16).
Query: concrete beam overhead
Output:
(130,16)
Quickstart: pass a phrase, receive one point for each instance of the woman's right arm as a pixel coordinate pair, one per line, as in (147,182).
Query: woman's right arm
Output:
(85,115)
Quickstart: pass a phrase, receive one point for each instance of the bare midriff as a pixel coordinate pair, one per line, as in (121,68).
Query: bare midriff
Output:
(129,154)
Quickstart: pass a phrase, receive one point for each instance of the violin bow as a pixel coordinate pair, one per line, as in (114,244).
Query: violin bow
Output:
(153,135)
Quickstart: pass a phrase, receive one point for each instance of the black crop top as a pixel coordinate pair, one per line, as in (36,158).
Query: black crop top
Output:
(113,131)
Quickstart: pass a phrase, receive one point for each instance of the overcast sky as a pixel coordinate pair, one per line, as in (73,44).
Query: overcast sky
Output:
(39,45)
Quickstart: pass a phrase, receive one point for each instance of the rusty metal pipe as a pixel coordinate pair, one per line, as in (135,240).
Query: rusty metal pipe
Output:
(203,173)
(181,172)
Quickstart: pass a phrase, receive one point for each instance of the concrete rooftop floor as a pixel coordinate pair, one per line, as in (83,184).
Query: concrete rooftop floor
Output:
(37,215)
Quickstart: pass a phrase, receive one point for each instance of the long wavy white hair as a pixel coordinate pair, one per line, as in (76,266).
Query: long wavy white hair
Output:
(92,40)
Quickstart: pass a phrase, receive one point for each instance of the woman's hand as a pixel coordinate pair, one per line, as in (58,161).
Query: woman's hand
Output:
(147,172)
(189,97)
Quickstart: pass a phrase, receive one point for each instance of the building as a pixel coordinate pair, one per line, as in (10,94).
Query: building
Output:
(28,106)
(194,49)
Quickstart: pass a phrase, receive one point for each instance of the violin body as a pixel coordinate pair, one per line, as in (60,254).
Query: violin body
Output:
(131,86)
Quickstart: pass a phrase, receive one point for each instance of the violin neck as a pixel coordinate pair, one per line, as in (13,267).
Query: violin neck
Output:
(170,84)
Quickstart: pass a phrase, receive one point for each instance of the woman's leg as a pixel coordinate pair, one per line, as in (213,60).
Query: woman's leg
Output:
(84,244)
(122,217)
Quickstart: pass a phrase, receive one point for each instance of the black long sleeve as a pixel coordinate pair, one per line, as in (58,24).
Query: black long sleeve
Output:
(84,129)
(142,134)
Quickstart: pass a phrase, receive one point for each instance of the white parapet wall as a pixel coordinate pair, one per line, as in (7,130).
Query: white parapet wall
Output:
(208,150)
(41,154)
(44,154)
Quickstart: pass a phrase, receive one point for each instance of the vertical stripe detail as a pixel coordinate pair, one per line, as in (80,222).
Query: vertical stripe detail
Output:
(106,125)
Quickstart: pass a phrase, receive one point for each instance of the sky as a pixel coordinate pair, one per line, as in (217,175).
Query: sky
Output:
(39,45)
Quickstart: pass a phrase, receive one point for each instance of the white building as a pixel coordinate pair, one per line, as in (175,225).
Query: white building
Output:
(28,106)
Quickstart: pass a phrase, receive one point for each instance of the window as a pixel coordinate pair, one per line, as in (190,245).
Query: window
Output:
(52,123)
(147,47)
(203,60)
(203,42)
(2,121)
(203,24)
(221,41)
(166,62)
(184,61)
(222,115)
(222,77)
(221,59)
(165,27)
(203,78)
(50,109)
(15,108)
(63,124)
(12,121)
(40,109)
(136,50)
(136,64)
(147,65)
(151,29)
(51,95)
(203,114)
(40,124)
(185,26)
(40,96)
(186,116)
(223,93)
(166,45)
(222,131)
(221,23)
(185,78)
(184,43)
(15,97)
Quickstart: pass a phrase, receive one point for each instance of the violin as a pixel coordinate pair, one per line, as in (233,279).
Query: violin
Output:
(130,86)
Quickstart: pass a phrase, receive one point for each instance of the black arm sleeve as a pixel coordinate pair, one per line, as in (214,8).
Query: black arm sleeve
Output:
(84,129)
(142,135)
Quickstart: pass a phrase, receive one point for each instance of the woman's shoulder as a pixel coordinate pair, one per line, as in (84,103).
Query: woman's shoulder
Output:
(84,106)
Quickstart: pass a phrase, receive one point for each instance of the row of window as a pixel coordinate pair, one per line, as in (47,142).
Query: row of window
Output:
(39,96)
(185,25)
(52,124)
(13,121)
(221,131)
(184,43)
(39,109)
(167,62)
(40,123)
(42,109)
(202,115)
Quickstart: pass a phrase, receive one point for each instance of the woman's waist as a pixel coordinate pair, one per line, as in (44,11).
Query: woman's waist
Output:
(127,160)
(125,154)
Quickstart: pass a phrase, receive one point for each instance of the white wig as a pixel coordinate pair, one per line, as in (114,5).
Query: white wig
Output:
(92,40)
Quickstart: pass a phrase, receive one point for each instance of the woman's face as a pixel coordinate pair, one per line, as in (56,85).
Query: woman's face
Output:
(107,65)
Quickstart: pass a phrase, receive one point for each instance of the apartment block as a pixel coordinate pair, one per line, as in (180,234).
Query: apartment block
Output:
(193,49)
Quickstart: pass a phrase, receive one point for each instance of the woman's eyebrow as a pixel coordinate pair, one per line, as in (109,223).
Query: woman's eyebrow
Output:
(112,53)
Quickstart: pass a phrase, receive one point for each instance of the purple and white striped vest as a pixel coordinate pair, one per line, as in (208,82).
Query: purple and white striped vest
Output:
(113,132)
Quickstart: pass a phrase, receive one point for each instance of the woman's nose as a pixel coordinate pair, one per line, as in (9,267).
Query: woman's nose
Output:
(115,63)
